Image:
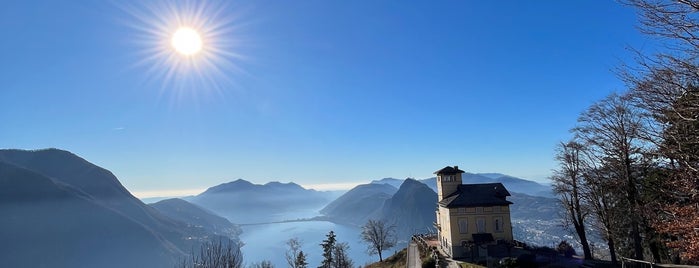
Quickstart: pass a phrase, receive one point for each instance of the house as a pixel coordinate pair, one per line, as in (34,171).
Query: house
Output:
(473,220)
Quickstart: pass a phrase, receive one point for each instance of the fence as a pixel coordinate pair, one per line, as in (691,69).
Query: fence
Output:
(632,263)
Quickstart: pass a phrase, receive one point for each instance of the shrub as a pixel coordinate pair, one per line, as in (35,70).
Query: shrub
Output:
(566,249)
(429,263)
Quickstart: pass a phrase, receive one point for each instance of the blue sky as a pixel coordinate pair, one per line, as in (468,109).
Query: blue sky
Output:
(317,92)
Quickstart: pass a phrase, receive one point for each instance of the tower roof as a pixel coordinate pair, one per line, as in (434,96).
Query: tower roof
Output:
(449,170)
(477,195)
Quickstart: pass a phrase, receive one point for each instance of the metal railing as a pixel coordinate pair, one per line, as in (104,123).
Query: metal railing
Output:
(633,263)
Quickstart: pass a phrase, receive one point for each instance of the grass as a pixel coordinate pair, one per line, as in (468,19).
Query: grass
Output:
(398,260)
(469,265)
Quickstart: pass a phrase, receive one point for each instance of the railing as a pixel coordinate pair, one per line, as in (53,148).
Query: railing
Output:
(423,246)
(633,263)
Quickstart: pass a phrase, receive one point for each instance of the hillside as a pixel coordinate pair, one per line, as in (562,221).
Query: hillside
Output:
(197,217)
(75,209)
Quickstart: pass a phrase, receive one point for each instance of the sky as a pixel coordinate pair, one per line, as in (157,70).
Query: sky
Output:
(323,93)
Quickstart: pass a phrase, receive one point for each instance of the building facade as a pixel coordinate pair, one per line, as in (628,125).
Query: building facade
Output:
(472,219)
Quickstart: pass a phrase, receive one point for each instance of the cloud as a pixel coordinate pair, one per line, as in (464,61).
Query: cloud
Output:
(331,186)
(168,193)
(118,128)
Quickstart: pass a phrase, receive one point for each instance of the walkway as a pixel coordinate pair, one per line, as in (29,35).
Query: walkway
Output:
(413,256)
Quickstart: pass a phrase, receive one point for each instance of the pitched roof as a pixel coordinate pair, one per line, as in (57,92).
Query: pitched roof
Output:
(477,195)
(449,170)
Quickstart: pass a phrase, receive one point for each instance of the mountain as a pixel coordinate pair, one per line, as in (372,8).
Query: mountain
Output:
(513,184)
(359,204)
(390,181)
(523,186)
(241,201)
(411,209)
(197,217)
(62,211)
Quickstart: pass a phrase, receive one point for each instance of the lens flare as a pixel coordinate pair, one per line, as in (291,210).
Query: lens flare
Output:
(191,49)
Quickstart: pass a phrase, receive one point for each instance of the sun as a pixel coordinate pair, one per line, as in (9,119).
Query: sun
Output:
(186,41)
(189,49)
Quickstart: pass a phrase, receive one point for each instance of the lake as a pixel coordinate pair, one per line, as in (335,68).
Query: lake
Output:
(268,242)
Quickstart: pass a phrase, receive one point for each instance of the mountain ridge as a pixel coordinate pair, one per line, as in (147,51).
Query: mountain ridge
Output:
(88,206)
(241,201)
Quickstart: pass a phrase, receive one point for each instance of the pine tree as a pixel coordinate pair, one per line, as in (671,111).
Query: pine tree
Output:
(328,250)
(301,260)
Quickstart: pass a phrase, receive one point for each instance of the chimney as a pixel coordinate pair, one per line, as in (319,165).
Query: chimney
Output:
(456,167)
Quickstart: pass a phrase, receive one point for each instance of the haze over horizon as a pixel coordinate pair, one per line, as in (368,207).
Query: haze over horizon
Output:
(319,93)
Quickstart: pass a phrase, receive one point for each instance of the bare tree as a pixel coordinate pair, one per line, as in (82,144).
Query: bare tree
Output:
(666,87)
(218,254)
(379,236)
(262,264)
(342,259)
(569,182)
(612,129)
(293,251)
(601,197)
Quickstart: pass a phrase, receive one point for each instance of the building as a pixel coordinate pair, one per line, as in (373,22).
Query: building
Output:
(473,220)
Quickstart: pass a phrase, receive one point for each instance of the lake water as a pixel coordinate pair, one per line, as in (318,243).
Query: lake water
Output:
(268,242)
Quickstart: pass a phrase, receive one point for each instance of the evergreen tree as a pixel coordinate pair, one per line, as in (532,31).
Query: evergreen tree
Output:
(328,250)
(301,260)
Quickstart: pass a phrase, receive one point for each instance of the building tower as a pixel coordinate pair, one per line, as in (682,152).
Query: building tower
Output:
(448,180)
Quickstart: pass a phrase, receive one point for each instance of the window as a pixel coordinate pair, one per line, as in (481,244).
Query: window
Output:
(498,224)
(480,224)
(463,226)
(488,209)
(479,210)
(462,210)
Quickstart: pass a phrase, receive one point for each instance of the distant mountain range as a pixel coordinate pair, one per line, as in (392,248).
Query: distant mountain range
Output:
(58,210)
(513,184)
(244,202)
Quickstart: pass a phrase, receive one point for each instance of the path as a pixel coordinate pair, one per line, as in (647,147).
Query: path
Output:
(413,256)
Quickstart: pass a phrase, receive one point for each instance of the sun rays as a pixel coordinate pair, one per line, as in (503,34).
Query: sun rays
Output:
(188,48)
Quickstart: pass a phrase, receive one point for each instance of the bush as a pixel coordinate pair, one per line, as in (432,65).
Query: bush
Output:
(508,262)
(566,249)
(429,263)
